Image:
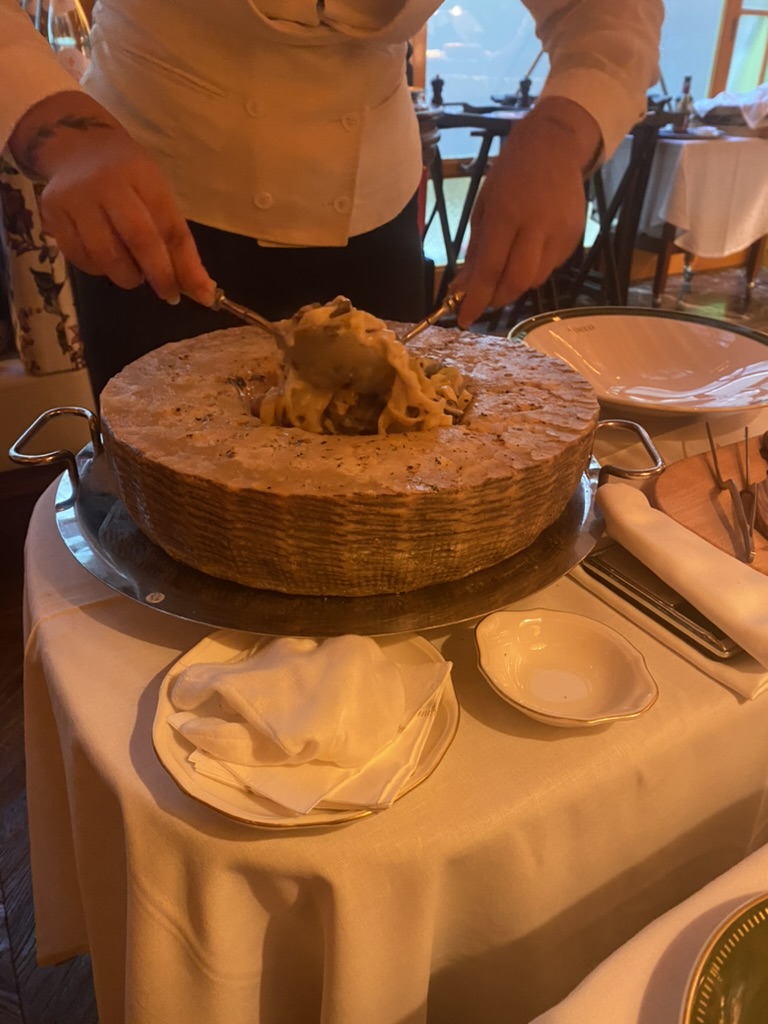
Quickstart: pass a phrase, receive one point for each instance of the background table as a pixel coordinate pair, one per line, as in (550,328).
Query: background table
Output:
(707,197)
(485,894)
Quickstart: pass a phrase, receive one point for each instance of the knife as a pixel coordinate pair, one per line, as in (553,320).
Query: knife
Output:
(744,512)
(761,493)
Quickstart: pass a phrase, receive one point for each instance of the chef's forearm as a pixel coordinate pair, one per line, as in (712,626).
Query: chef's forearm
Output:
(53,128)
(568,126)
(603,55)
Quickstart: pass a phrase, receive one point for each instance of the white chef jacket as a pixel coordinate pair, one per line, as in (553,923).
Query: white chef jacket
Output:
(291,120)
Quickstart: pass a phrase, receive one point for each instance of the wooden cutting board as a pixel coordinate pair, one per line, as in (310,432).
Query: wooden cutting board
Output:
(687,491)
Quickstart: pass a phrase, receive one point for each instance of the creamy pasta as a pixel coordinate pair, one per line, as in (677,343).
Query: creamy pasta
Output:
(347,373)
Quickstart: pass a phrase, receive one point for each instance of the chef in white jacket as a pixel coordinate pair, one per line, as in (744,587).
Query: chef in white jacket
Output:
(272,146)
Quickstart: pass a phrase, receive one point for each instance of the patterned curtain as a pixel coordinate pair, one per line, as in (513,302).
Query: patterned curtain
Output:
(43,316)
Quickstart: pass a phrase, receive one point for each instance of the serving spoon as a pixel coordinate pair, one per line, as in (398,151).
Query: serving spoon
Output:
(248,316)
(341,360)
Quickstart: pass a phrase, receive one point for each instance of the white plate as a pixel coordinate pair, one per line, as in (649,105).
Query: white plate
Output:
(706,131)
(562,668)
(223,645)
(663,362)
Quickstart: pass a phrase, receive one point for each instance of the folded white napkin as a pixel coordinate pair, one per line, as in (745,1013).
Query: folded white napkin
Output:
(301,721)
(753,104)
(725,590)
(314,784)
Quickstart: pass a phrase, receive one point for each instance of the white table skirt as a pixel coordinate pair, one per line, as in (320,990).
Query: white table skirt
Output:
(714,191)
(646,980)
(486,894)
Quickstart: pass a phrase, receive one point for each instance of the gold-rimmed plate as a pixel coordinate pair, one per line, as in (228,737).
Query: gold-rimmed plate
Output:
(251,809)
(729,983)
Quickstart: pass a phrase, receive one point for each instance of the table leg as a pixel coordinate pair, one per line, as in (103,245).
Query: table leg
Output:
(755,256)
(666,247)
(688,272)
(477,171)
(436,173)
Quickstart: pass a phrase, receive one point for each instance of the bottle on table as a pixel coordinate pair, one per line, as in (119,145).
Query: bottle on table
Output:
(684,103)
(69,35)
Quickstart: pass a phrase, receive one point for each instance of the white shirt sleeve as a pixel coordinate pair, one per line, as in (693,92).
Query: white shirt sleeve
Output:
(30,72)
(604,55)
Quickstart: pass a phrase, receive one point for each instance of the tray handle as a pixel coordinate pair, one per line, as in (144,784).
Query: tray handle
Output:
(63,454)
(656,467)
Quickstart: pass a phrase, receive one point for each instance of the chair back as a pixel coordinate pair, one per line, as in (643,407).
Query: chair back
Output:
(604,272)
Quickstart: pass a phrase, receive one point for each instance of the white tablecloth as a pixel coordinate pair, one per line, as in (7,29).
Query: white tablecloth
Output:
(646,981)
(715,192)
(486,894)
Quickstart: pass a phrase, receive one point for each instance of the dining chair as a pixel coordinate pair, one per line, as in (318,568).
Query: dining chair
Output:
(596,273)
(603,274)
(488,127)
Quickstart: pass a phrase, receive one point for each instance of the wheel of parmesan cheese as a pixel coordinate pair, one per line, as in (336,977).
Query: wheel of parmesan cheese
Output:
(279,508)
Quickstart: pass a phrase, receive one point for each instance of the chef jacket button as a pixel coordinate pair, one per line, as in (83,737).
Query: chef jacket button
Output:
(263,200)
(343,204)
(350,121)
(253,107)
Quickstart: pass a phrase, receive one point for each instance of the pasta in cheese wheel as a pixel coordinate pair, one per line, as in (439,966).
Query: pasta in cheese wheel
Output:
(348,373)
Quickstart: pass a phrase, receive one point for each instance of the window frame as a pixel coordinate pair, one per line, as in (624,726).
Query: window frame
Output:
(726,40)
(733,10)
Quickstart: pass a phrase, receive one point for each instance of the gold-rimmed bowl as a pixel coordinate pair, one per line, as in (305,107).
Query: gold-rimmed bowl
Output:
(562,668)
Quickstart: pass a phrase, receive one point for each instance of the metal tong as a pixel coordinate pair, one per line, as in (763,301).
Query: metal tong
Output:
(220,301)
(248,316)
(451,304)
(742,499)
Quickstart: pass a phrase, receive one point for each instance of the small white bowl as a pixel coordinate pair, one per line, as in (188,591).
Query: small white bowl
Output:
(562,668)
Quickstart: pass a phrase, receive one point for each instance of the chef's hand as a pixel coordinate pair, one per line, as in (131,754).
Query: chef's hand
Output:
(105,200)
(530,213)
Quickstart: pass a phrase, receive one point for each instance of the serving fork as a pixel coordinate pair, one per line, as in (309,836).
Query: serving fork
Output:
(742,499)
(450,305)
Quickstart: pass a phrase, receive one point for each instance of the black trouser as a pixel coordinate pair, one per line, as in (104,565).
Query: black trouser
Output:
(381,271)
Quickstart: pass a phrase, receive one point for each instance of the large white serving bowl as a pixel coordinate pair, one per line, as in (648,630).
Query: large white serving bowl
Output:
(646,359)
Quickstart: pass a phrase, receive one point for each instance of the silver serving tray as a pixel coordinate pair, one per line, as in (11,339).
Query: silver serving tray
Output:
(98,531)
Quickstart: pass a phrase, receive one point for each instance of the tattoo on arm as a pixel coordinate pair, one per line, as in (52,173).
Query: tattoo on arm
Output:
(81,123)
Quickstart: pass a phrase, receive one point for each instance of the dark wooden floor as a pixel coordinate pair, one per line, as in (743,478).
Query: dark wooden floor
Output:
(717,294)
(63,995)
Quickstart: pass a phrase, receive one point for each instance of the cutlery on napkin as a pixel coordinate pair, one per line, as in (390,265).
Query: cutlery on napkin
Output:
(761,493)
(302,721)
(726,591)
(741,673)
